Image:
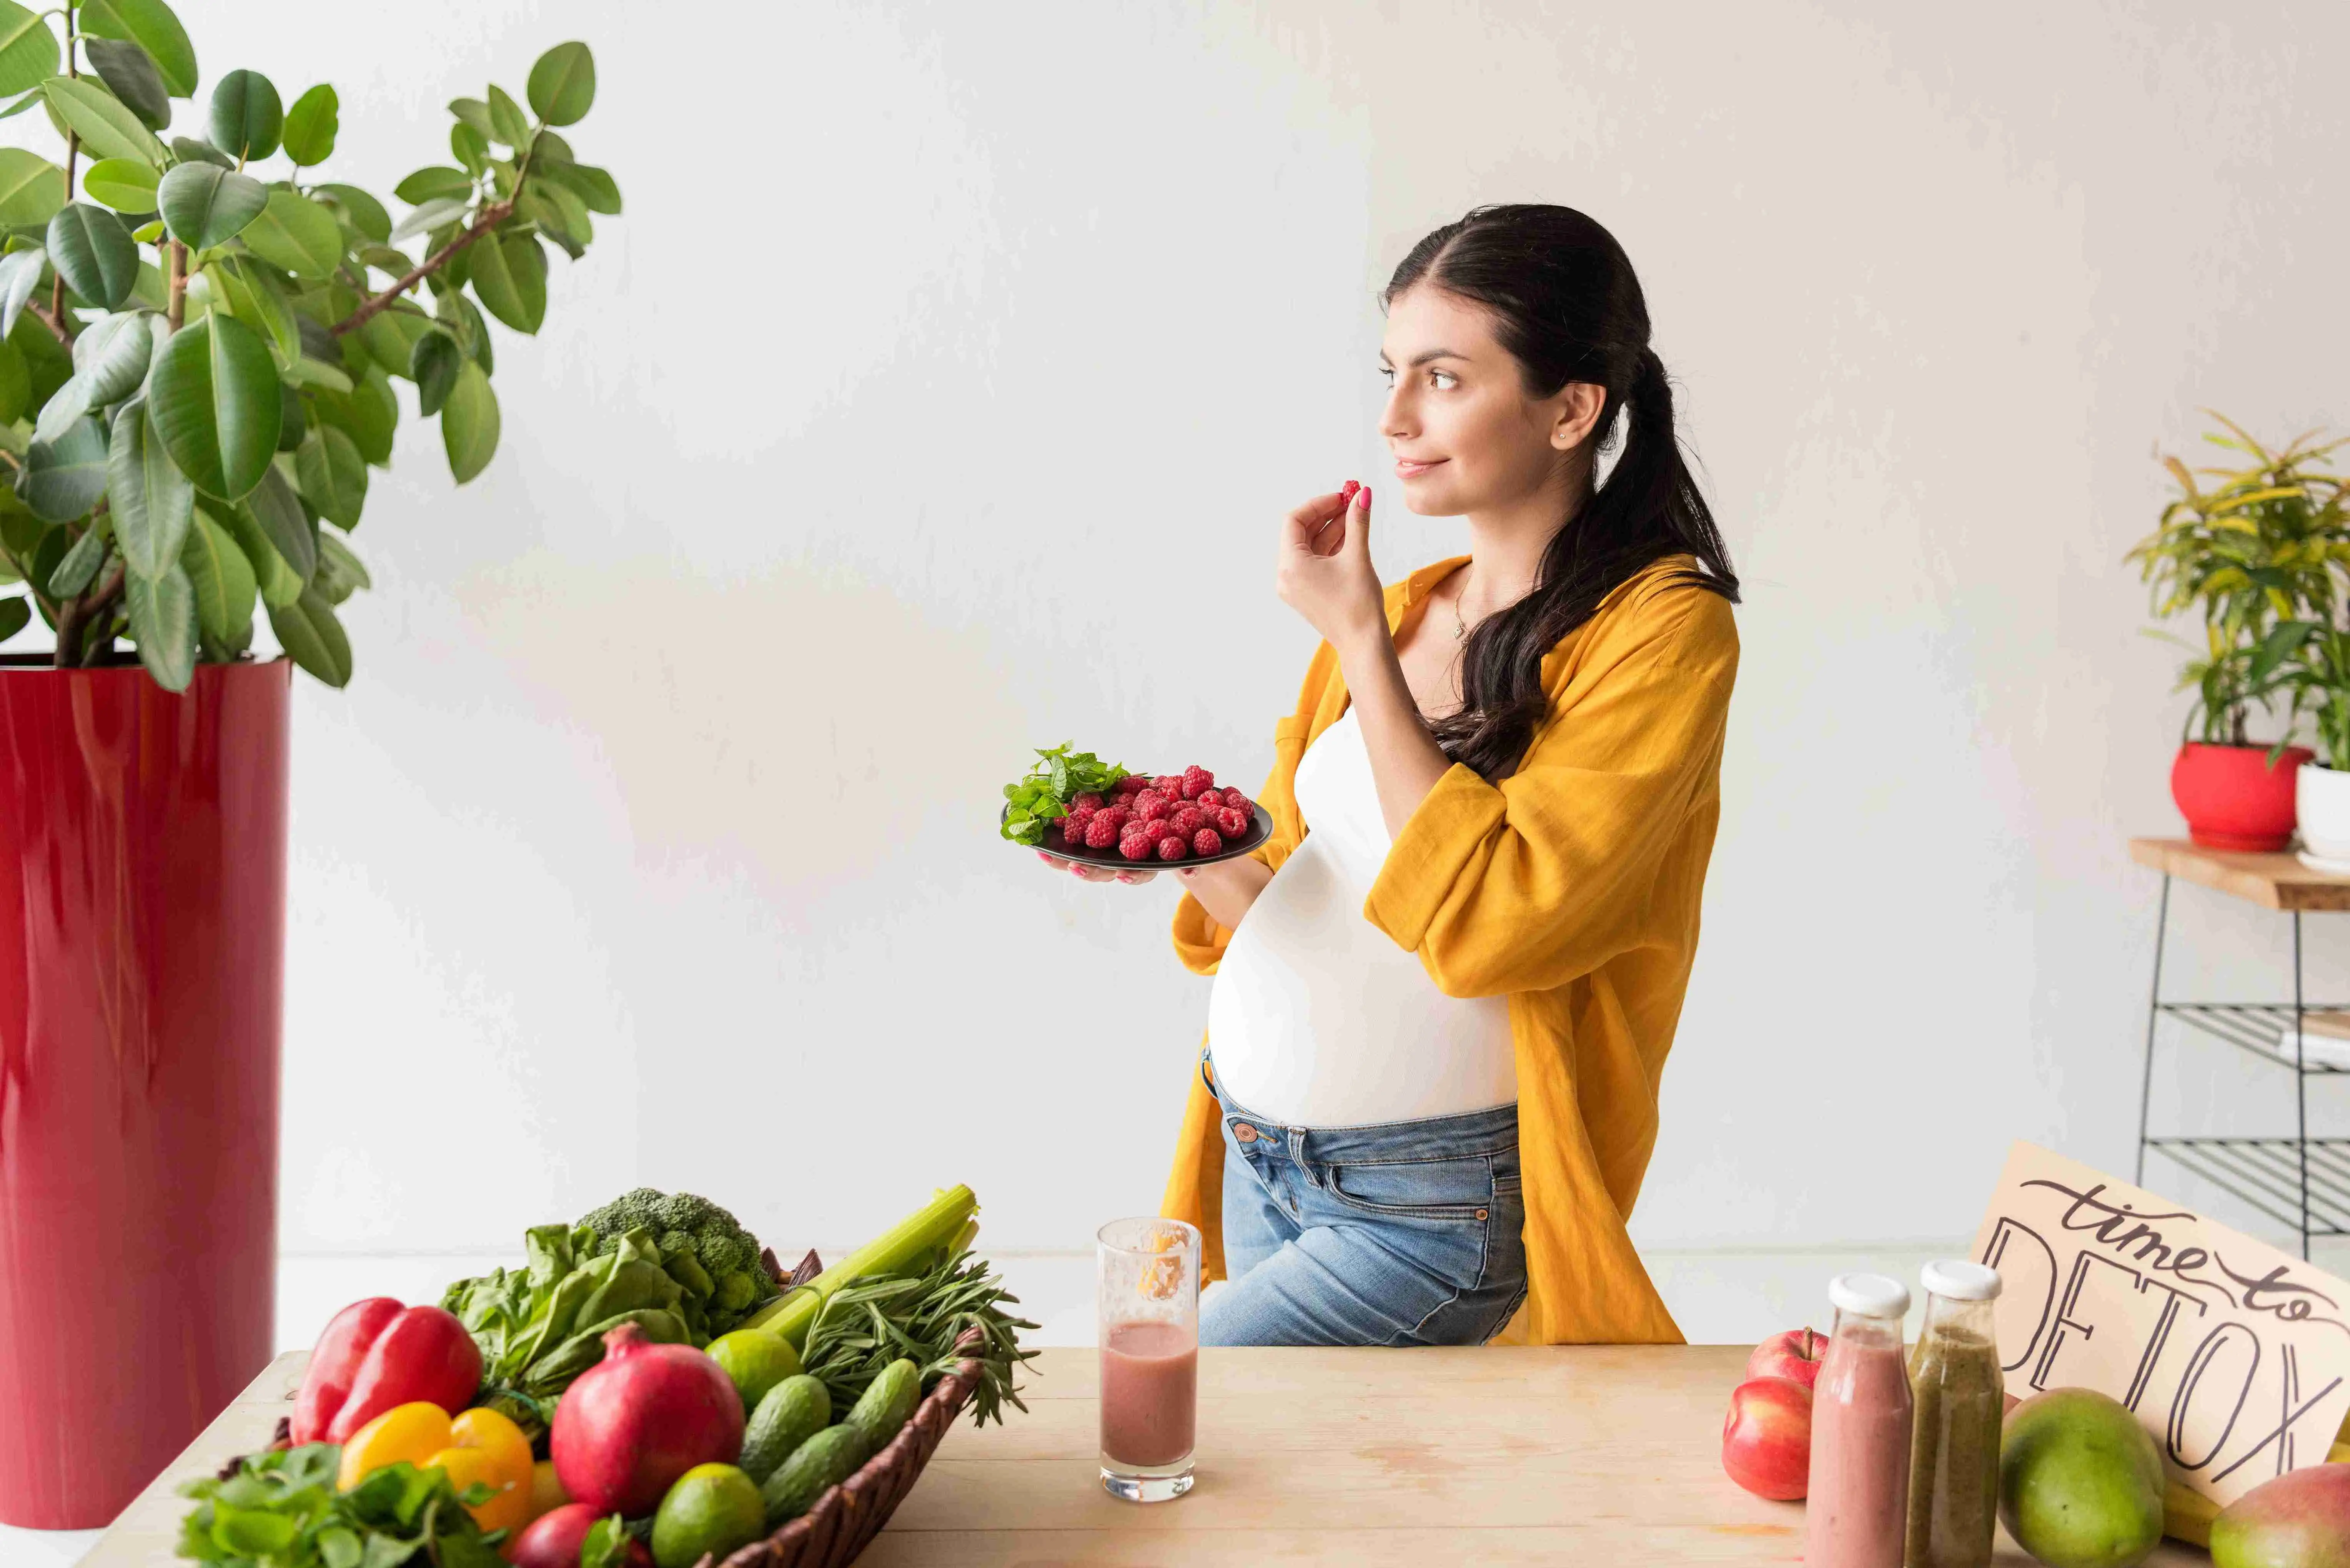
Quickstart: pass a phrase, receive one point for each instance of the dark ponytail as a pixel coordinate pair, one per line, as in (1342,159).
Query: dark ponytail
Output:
(1567,305)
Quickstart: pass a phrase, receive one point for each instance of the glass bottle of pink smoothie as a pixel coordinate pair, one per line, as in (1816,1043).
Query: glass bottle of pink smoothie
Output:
(1857,1512)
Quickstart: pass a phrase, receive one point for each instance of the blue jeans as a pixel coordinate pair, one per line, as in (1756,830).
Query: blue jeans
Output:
(1390,1233)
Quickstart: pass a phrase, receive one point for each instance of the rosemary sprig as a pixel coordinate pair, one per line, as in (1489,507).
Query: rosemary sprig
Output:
(865,1326)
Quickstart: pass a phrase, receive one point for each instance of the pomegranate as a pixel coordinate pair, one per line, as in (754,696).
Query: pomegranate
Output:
(639,1419)
(554,1539)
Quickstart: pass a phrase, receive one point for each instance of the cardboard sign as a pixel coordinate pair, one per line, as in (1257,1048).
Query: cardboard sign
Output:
(2234,1355)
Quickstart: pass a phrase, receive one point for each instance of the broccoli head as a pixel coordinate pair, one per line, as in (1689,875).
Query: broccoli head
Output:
(705,1249)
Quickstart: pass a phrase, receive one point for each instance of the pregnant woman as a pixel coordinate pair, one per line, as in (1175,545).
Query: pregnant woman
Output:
(1445,987)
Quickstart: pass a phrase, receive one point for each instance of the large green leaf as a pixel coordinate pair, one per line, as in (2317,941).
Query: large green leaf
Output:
(277,582)
(151,25)
(333,476)
(28,50)
(310,125)
(65,477)
(105,124)
(312,636)
(246,114)
(392,336)
(153,500)
(427,184)
(509,126)
(31,187)
(278,510)
(195,149)
(79,566)
(164,624)
(205,205)
(125,184)
(563,83)
(130,72)
(509,277)
(432,364)
(63,407)
(96,255)
(214,396)
(469,147)
(223,579)
(340,572)
(469,423)
(113,354)
(439,210)
(16,615)
(361,211)
(368,413)
(296,233)
(20,274)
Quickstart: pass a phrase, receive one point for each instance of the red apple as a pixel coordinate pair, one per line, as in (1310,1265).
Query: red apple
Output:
(1795,1356)
(1766,1440)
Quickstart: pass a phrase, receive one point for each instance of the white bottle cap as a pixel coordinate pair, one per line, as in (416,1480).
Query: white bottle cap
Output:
(1954,1279)
(1870,1296)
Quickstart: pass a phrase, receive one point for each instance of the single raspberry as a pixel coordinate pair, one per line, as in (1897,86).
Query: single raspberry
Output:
(1137,847)
(1118,816)
(1235,801)
(1130,782)
(1172,848)
(1168,784)
(1188,820)
(1087,803)
(1073,832)
(1195,779)
(1209,800)
(1151,805)
(1101,833)
(1207,841)
(1233,824)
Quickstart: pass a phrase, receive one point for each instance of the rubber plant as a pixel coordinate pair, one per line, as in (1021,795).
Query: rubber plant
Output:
(2255,549)
(199,336)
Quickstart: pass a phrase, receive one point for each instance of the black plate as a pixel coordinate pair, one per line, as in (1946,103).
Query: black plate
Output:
(1259,831)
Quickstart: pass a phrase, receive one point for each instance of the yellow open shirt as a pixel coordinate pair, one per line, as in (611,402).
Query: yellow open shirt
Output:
(1571,888)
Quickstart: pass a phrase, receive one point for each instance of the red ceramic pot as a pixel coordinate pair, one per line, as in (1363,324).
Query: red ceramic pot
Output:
(2232,799)
(143,941)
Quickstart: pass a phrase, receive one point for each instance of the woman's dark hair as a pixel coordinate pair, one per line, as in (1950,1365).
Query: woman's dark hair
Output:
(1567,305)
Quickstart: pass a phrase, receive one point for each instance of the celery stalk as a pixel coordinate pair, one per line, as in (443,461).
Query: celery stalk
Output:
(936,1226)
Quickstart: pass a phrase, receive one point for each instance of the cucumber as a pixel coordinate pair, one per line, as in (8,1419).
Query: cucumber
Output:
(886,1403)
(794,1410)
(815,1467)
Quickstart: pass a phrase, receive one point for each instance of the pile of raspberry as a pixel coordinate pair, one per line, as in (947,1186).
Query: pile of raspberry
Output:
(1171,817)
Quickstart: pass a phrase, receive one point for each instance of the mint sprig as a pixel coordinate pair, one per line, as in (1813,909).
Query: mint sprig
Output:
(1042,797)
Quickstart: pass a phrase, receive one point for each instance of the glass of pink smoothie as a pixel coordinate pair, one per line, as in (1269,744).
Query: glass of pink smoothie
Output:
(1146,1289)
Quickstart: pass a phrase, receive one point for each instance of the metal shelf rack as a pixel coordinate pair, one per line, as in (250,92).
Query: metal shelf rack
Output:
(2299,1181)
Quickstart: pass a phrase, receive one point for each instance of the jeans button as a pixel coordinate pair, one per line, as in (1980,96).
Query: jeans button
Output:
(1243,1132)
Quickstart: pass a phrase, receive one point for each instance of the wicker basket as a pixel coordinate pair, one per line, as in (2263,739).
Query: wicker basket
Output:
(845,1518)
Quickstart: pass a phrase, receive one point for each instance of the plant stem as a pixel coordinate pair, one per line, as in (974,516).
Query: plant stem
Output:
(54,322)
(73,617)
(175,309)
(494,214)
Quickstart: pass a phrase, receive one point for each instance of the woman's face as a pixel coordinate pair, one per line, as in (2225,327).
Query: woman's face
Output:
(1466,435)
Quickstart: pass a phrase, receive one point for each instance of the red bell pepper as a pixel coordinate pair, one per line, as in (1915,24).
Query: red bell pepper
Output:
(376,1353)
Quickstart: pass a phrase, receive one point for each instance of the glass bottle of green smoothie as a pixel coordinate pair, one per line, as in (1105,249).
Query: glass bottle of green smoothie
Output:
(1956,1381)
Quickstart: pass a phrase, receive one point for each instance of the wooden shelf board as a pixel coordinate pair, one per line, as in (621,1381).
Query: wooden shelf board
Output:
(2272,881)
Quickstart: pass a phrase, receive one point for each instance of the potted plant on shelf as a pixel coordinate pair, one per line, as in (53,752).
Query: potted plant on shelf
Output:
(2255,553)
(200,337)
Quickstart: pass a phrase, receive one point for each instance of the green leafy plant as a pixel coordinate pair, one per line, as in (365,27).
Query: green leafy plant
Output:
(190,436)
(281,1510)
(1042,797)
(2258,554)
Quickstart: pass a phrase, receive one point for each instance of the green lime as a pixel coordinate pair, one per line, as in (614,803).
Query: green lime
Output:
(756,1360)
(713,1508)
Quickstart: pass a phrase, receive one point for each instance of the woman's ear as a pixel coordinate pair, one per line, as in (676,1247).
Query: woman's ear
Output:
(1578,404)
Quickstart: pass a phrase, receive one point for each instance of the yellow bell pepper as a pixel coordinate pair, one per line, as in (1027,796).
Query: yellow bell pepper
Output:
(479,1447)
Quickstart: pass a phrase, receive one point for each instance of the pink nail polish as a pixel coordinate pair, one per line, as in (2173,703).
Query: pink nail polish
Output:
(1363,497)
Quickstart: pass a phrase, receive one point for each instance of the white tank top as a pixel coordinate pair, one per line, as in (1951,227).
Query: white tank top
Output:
(1317,1018)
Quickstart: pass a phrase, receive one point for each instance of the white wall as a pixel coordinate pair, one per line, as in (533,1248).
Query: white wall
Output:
(933,401)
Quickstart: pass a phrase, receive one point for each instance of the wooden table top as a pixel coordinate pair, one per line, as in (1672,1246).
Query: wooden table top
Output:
(2272,881)
(1498,1455)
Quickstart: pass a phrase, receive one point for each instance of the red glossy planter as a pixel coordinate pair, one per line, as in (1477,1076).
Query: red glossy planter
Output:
(142,938)
(2232,799)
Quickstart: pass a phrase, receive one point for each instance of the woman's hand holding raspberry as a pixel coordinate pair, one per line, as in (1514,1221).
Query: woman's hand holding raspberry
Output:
(1325,573)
